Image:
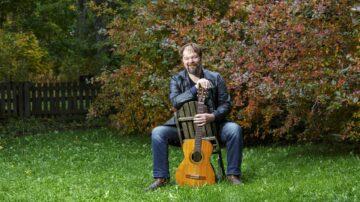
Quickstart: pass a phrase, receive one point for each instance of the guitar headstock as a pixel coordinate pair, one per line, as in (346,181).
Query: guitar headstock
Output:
(202,94)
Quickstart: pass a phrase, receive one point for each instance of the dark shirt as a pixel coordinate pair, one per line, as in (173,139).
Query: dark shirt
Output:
(193,88)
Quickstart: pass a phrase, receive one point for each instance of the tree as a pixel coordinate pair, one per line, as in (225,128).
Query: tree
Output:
(21,57)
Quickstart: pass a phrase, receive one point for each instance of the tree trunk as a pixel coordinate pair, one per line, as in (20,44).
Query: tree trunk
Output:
(99,24)
(81,22)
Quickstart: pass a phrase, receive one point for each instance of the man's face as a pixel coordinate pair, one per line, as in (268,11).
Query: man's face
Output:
(191,60)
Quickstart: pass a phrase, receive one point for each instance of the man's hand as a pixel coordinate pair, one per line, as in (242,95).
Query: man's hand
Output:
(203,83)
(203,119)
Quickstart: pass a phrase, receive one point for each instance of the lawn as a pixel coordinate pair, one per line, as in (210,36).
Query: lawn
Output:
(102,166)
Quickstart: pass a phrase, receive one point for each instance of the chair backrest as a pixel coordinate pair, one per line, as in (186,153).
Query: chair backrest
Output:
(184,122)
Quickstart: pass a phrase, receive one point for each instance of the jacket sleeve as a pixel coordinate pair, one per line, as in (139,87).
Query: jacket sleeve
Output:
(177,97)
(224,101)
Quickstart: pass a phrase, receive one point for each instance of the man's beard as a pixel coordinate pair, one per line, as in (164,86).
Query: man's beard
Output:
(195,71)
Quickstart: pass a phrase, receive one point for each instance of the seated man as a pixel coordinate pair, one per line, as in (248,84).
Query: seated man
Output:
(183,88)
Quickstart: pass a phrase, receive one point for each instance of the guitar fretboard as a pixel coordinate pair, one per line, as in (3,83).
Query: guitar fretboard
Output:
(199,130)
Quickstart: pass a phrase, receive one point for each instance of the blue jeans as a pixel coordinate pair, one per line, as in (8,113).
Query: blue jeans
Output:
(162,136)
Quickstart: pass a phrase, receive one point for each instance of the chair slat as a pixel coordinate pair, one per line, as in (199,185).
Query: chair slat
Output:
(181,119)
(187,110)
(184,125)
(208,130)
(193,111)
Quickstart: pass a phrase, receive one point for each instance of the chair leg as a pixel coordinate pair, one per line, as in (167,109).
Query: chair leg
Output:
(221,170)
(216,177)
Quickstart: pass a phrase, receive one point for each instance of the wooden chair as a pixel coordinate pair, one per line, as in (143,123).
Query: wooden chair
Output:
(184,122)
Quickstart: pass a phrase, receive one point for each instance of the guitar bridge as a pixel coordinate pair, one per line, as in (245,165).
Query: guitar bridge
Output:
(195,177)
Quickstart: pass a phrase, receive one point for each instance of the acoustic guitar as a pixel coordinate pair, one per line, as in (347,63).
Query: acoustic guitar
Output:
(195,169)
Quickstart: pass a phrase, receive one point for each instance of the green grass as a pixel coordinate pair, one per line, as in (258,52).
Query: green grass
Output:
(100,165)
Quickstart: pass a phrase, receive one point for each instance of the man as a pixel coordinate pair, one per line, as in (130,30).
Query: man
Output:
(183,88)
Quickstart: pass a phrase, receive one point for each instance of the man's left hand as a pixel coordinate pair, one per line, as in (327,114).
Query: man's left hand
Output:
(203,119)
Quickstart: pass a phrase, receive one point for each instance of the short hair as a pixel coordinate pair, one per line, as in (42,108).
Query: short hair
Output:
(197,49)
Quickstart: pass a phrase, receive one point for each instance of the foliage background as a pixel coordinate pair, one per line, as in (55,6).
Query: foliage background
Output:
(292,67)
(60,39)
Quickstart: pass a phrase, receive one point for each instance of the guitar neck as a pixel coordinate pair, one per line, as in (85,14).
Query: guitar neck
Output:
(199,130)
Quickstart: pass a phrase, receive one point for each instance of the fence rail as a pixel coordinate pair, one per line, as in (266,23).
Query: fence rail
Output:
(24,99)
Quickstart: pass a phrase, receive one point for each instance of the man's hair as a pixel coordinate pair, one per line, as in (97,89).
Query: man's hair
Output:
(197,49)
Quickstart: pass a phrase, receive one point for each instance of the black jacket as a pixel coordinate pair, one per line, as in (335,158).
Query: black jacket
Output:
(218,100)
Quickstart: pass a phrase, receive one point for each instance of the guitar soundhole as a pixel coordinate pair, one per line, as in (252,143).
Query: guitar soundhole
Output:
(196,156)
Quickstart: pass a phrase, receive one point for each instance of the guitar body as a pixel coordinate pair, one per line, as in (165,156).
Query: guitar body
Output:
(195,170)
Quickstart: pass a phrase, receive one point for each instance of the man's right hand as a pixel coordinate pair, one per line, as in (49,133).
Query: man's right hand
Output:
(203,83)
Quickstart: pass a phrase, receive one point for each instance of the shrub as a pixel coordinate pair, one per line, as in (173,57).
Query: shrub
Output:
(292,67)
(21,57)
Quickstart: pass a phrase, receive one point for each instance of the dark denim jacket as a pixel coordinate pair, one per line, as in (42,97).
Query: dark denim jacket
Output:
(218,100)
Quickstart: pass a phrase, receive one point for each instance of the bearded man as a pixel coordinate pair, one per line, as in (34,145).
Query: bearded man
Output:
(183,88)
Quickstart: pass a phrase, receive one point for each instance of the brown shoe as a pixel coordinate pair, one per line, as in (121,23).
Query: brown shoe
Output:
(234,179)
(159,182)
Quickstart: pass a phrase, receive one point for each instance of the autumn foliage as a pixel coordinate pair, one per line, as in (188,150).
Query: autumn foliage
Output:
(291,67)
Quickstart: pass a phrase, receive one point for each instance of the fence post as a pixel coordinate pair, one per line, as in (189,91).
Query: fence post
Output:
(19,94)
(26,99)
(2,100)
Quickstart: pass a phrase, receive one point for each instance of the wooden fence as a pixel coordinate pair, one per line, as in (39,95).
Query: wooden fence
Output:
(24,99)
